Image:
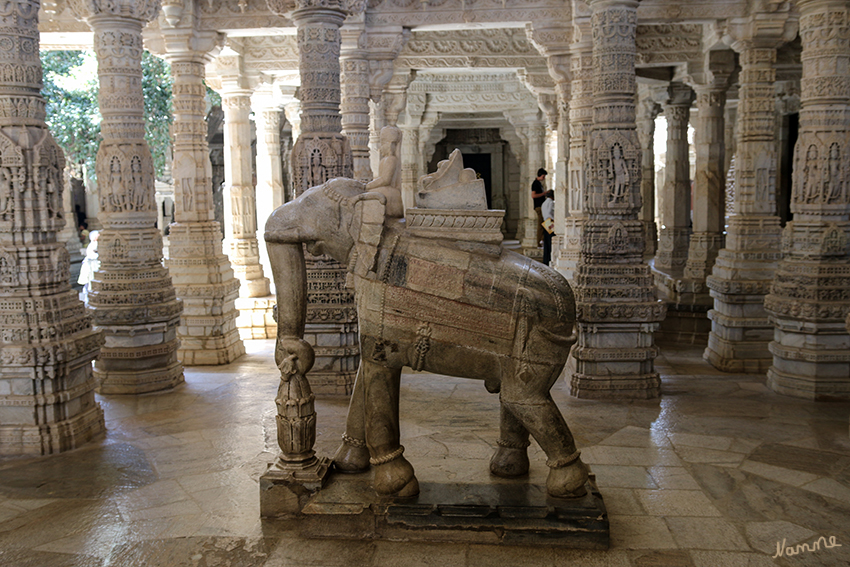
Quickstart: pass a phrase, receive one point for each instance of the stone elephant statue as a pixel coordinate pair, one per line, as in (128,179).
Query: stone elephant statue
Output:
(449,307)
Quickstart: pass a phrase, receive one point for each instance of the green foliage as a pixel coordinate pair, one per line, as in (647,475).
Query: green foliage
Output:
(70,89)
(73,116)
(156,87)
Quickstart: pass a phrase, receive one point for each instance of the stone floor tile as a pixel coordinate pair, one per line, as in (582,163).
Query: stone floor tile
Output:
(676,478)
(182,508)
(632,436)
(585,558)
(482,555)
(712,456)
(829,488)
(623,477)
(419,554)
(622,502)
(779,474)
(676,503)
(716,442)
(763,536)
(661,558)
(730,559)
(604,455)
(640,532)
(744,445)
(706,533)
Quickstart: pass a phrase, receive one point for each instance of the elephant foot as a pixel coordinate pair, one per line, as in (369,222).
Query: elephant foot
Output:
(509,462)
(567,478)
(352,456)
(394,476)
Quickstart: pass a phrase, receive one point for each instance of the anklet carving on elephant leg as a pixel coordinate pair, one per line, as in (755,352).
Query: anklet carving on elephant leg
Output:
(561,463)
(388,458)
(353,441)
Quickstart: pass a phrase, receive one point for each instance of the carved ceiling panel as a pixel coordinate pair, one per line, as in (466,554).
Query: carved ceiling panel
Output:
(504,48)
(666,44)
(414,13)
(270,53)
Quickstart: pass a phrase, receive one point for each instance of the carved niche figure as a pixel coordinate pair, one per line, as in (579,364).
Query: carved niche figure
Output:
(619,174)
(388,181)
(420,303)
(6,199)
(762,188)
(834,183)
(138,194)
(116,196)
(811,185)
(317,170)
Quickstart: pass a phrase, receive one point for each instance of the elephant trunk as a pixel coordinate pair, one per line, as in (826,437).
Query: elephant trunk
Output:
(290,276)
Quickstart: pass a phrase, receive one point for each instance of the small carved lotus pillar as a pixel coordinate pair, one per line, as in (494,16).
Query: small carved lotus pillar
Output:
(47,402)
(742,273)
(354,67)
(132,298)
(810,294)
(647,111)
(617,309)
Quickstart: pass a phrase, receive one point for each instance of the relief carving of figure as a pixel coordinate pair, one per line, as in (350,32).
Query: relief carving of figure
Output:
(138,194)
(5,191)
(762,187)
(388,181)
(811,189)
(619,173)
(834,183)
(317,170)
(116,196)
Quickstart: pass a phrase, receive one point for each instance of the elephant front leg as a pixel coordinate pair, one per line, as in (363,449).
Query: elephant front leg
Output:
(511,457)
(353,455)
(393,473)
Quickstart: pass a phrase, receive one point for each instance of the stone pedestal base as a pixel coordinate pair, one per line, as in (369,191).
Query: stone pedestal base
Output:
(337,350)
(811,366)
(684,324)
(137,360)
(533,253)
(256,318)
(739,344)
(505,512)
(53,437)
(285,490)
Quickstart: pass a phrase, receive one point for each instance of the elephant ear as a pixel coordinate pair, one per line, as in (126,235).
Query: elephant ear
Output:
(366,228)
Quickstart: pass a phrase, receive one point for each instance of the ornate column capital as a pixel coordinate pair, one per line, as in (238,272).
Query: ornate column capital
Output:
(763,30)
(89,10)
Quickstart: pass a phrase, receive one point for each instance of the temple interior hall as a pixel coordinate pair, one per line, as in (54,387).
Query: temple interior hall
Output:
(699,156)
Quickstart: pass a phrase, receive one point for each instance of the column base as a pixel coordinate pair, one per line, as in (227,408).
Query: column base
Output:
(337,350)
(135,382)
(684,324)
(256,317)
(254,288)
(51,438)
(285,488)
(210,350)
(810,360)
(728,351)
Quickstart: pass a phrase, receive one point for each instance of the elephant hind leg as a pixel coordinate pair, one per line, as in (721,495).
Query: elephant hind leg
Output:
(511,456)
(353,455)
(543,419)
(393,473)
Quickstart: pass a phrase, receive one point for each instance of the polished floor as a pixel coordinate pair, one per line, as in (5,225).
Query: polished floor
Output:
(718,472)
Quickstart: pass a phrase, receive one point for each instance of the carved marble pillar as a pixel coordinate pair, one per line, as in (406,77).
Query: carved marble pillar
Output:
(535,135)
(410,159)
(47,402)
(321,153)
(580,122)
(675,211)
(708,193)
(240,194)
(647,111)
(354,107)
(744,269)
(617,309)
(810,295)
(269,167)
(203,277)
(132,298)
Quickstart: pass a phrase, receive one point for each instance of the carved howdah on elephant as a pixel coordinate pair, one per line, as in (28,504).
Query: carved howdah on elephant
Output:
(442,305)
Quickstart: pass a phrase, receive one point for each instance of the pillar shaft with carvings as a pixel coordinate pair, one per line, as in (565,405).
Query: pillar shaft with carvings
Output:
(709,192)
(617,309)
(810,295)
(647,111)
(47,402)
(240,193)
(132,297)
(743,270)
(672,253)
(202,274)
(580,122)
(354,107)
